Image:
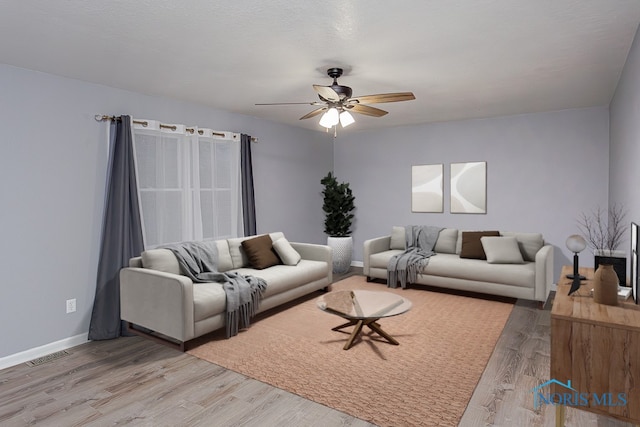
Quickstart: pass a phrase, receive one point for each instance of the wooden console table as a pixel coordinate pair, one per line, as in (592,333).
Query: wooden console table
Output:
(597,348)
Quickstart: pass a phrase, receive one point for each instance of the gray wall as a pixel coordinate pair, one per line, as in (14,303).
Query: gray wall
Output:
(543,170)
(53,158)
(624,176)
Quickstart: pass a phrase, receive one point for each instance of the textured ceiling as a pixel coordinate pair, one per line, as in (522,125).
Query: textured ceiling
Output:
(461,58)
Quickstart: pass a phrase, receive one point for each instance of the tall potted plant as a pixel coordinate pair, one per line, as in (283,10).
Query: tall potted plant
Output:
(338,207)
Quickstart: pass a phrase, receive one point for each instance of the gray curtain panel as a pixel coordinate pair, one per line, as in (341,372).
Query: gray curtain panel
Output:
(121,232)
(248,198)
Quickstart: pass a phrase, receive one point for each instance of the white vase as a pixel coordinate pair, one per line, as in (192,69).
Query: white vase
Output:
(342,253)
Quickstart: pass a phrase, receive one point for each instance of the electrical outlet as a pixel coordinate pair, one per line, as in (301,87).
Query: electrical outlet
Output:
(71,305)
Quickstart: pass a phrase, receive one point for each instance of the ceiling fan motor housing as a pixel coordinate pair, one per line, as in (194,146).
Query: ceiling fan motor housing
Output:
(344,92)
(334,72)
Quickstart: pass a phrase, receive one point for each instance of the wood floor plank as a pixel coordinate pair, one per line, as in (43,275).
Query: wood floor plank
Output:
(174,415)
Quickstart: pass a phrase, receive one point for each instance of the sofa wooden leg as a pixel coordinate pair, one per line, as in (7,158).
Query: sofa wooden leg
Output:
(369,279)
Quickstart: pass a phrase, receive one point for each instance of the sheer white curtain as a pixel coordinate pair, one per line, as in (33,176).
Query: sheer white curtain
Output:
(188,182)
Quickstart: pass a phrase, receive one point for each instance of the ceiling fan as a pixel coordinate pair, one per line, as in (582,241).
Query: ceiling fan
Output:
(337,104)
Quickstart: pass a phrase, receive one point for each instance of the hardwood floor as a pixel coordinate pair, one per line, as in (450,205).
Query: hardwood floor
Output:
(138,382)
(135,381)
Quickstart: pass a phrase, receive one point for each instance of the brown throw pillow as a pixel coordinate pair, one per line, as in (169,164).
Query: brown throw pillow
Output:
(472,246)
(260,252)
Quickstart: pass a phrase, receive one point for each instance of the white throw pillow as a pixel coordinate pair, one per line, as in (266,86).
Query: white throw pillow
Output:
(398,239)
(529,243)
(502,250)
(285,251)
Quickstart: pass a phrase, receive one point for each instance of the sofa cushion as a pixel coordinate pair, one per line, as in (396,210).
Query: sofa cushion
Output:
(501,250)
(165,260)
(161,260)
(238,257)
(398,238)
(472,246)
(446,243)
(260,252)
(285,251)
(529,243)
(209,299)
(451,265)
(447,265)
(224,257)
(381,259)
(281,278)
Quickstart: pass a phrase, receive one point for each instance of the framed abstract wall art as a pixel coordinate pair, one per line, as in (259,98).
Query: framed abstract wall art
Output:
(426,188)
(469,187)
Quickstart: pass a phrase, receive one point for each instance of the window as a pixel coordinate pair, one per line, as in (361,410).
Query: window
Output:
(188,183)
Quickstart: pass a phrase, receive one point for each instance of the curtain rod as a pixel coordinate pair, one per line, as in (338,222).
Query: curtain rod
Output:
(100,118)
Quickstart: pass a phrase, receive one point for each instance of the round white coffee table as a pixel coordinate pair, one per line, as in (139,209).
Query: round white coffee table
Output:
(363,308)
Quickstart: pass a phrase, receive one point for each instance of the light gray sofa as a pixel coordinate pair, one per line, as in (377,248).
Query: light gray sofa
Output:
(155,295)
(531,279)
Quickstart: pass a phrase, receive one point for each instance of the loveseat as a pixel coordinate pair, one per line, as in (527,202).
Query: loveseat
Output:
(155,294)
(516,265)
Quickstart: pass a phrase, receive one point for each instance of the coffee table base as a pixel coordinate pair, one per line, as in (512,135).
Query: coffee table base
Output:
(371,323)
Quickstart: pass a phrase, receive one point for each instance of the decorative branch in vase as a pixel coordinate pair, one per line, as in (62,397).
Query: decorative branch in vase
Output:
(604,232)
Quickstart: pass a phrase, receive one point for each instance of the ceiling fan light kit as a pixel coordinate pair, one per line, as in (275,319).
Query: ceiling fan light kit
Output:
(336,102)
(330,118)
(346,119)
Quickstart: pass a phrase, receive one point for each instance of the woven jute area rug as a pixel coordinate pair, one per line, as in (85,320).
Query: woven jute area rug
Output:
(427,380)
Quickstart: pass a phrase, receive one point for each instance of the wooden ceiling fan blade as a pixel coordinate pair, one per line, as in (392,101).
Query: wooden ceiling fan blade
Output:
(291,103)
(367,111)
(383,97)
(327,93)
(313,113)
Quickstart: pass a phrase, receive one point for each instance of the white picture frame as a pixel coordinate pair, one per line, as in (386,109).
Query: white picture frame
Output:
(427,188)
(468,188)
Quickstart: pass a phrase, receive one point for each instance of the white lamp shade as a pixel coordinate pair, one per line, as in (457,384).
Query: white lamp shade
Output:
(576,243)
(330,118)
(346,119)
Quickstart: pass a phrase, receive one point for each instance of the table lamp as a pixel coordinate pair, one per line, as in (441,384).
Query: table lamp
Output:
(576,244)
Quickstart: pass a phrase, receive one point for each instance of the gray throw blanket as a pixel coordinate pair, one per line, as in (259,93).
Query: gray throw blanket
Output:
(198,261)
(420,240)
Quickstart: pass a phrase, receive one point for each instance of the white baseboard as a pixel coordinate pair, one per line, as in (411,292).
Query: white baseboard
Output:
(34,353)
(357,264)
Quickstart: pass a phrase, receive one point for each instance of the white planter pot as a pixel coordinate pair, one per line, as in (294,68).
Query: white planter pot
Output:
(342,253)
